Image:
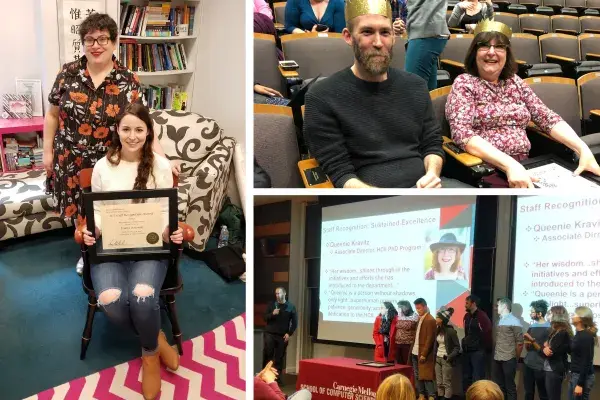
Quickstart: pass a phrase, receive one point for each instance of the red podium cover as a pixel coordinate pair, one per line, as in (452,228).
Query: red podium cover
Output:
(340,378)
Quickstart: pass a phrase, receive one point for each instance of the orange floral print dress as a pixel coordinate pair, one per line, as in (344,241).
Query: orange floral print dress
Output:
(87,122)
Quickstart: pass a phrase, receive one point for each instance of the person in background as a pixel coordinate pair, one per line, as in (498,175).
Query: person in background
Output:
(582,354)
(468,13)
(423,358)
(477,341)
(397,387)
(87,97)
(261,93)
(406,328)
(266,387)
(427,37)
(127,290)
(509,344)
(533,373)
(446,350)
(399,13)
(282,321)
(555,350)
(384,332)
(262,7)
(304,15)
(484,390)
(489,107)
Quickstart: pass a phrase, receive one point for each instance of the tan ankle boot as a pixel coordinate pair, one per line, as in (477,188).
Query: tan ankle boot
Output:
(168,355)
(151,376)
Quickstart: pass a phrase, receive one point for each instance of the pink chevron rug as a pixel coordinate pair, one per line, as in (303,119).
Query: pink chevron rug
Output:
(212,367)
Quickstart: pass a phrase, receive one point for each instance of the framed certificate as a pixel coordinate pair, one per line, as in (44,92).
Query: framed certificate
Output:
(133,222)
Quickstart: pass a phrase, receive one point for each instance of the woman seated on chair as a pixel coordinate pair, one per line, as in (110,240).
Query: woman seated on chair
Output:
(314,16)
(489,108)
(129,291)
(468,13)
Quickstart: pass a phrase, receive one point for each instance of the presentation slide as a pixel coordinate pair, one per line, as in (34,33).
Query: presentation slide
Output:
(557,253)
(392,249)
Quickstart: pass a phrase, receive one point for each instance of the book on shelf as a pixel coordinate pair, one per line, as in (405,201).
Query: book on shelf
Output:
(152,57)
(161,97)
(157,19)
(23,153)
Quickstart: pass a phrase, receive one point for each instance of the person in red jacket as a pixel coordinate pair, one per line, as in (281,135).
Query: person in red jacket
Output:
(384,332)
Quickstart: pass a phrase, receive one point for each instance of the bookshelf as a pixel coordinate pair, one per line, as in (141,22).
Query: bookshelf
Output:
(26,131)
(175,71)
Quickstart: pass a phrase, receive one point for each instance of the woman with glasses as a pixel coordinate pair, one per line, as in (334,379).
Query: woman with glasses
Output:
(489,107)
(87,97)
(446,261)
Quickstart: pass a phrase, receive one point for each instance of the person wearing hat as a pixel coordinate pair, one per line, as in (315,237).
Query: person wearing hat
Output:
(447,254)
(446,349)
(353,125)
(555,350)
(489,108)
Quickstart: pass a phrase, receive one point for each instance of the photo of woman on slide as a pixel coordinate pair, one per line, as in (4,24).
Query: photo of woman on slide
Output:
(384,332)
(446,260)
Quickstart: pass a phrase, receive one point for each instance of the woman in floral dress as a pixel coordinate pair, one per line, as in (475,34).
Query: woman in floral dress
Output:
(87,96)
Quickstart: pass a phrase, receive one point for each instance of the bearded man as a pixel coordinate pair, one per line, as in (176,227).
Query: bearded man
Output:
(370,125)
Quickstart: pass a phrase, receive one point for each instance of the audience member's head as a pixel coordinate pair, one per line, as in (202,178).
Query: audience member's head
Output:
(484,390)
(490,56)
(405,307)
(397,387)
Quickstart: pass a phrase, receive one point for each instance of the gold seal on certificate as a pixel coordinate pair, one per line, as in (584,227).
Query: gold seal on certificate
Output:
(127,226)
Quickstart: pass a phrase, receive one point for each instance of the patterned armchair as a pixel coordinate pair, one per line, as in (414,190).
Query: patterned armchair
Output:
(205,155)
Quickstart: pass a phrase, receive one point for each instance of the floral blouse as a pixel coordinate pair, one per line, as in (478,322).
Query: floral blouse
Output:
(87,119)
(498,113)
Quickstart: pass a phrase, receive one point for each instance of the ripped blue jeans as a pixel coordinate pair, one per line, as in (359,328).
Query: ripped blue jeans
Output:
(128,293)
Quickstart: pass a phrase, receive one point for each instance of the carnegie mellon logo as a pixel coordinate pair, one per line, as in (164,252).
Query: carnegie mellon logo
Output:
(152,238)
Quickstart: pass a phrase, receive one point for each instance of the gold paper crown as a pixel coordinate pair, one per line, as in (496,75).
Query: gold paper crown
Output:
(356,8)
(489,25)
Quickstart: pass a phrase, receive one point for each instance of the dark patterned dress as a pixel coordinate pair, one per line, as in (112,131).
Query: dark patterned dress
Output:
(87,121)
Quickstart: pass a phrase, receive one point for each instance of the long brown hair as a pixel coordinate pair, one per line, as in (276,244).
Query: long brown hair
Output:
(563,324)
(455,265)
(145,168)
(587,320)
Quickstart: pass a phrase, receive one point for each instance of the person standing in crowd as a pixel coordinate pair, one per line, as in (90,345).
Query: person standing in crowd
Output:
(282,320)
(446,350)
(582,354)
(477,341)
(533,373)
(468,13)
(308,15)
(427,36)
(384,332)
(423,357)
(509,344)
(86,99)
(406,329)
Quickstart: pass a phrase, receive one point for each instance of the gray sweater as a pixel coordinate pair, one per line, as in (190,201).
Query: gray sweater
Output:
(426,18)
(458,13)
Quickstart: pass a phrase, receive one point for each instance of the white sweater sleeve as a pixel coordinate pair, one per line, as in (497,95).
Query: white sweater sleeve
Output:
(97,187)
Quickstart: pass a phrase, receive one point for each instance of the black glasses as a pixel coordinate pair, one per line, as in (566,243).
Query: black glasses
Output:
(102,41)
(486,47)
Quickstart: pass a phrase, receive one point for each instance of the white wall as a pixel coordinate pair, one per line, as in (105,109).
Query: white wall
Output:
(220,69)
(20,44)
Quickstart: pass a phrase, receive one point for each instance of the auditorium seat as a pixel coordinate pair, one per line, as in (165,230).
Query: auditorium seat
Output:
(266,70)
(543,10)
(589,46)
(579,5)
(279,12)
(511,20)
(448,14)
(517,9)
(556,5)
(276,145)
(590,24)
(589,95)
(564,50)
(453,57)
(531,4)
(591,12)
(525,47)
(594,4)
(535,24)
(569,11)
(459,164)
(317,53)
(565,24)
(503,4)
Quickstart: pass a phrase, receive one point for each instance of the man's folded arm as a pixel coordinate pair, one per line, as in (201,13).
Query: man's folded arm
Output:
(326,141)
